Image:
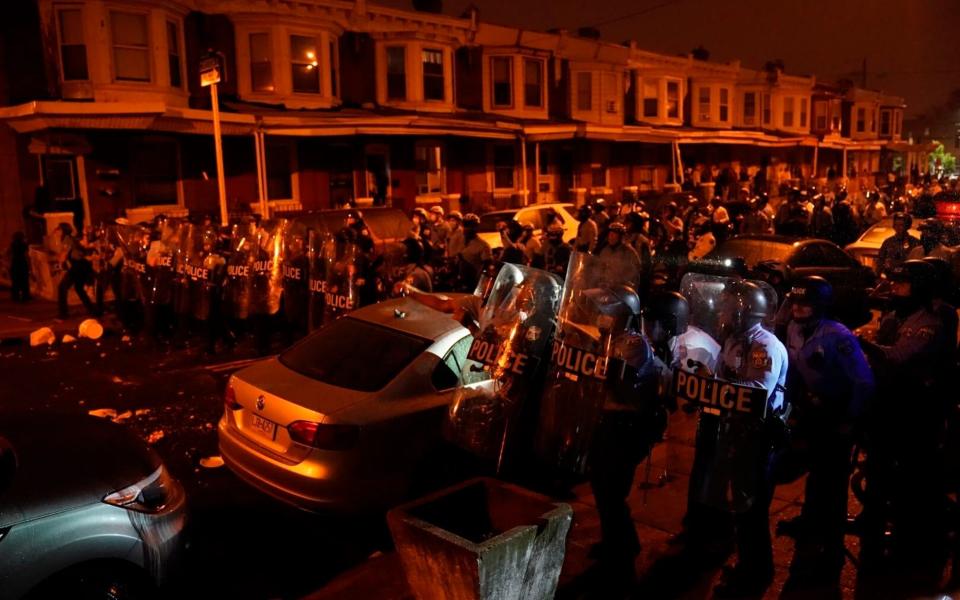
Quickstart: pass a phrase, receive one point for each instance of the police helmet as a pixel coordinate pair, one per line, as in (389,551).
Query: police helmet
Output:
(902,216)
(628,296)
(812,290)
(555,230)
(456,215)
(617,227)
(437,210)
(599,204)
(420,212)
(583,212)
(920,274)
(671,309)
(471,220)
(745,303)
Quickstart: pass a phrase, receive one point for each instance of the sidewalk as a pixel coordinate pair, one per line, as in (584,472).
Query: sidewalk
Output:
(657,512)
(19,319)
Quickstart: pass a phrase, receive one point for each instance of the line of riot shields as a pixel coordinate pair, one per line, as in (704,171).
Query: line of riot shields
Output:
(553,359)
(175,272)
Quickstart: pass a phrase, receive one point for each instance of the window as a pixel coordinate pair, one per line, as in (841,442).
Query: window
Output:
(261,67)
(585,91)
(861,119)
(611,91)
(598,175)
(704,103)
(396,73)
(724,104)
(428,160)
(750,108)
(807,256)
(767,112)
(334,64)
(305,64)
(278,158)
(503,161)
(59,177)
(873,121)
(73,52)
(673,99)
(532,82)
(131,49)
(502,69)
(155,172)
(433,75)
(820,115)
(885,122)
(897,127)
(651,100)
(450,370)
(803,112)
(788,107)
(173,54)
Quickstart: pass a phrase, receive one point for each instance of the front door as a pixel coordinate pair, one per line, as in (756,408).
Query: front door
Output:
(341,175)
(547,176)
(377,178)
(564,177)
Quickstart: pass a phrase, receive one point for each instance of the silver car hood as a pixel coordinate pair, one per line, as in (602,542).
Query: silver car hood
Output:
(67,461)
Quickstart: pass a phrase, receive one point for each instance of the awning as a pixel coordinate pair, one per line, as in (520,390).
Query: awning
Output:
(335,125)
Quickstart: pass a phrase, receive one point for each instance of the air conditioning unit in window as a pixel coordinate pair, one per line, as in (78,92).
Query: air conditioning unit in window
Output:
(611,106)
(77,90)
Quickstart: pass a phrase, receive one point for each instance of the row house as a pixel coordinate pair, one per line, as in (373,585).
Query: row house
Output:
(332,101)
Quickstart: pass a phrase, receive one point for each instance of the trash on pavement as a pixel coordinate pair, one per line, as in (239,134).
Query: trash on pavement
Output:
(91,328)
(103,413)
(44,335)
(154,437)
(68,339)
(211,462)
(123,416)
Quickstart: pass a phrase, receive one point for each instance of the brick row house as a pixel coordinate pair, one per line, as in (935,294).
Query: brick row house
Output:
(326,101)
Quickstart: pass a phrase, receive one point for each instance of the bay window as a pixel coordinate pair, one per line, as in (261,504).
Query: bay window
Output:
(501,68)
(73,49)
(305,64)
(433,78)
(532,82)
(788,107)
(651,98)
(131,47)
(503,163)
(173,54)
(703,103)
(585,90)
(803,112)
(724,105)
(261,65)
(396,73)
(673,99)
(750,108)
(767,112)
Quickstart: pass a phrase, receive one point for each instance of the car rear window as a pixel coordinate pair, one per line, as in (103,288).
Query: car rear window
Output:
(488,222)
(752,251)
(354,354)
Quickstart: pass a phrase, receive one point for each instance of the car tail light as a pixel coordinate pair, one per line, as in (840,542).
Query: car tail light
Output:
(151,495)
(324,436)
(230,398)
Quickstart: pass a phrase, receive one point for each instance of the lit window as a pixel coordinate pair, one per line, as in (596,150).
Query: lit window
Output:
(428,161)
(533,82)
(305,64)
(704,103)
(750,108)
(585,91)
(651,99)
(396,73)
(131,49)
(261,67)
(673,99)
(502,70)
(433,81)
(803,112)
(503,163)
(173,54)
(788,111)
(73,51)
(724,104)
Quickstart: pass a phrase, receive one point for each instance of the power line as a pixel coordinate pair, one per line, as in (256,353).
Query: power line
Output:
(635,13)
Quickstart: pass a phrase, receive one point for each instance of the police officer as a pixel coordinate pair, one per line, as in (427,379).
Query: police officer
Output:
(633,420)
(895,249)
(752,356)
(296,271)
(475,251)
(829,384)
(587,230)
(556,252)
(455,241)
(911,358)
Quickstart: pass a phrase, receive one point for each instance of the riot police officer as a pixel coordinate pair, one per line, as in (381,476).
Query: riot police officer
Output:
(475,251)
(829,384)
(754,357)
(622,258)
(556,252)
(894,249)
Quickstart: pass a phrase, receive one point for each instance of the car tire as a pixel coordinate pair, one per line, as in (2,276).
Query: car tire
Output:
(98,581)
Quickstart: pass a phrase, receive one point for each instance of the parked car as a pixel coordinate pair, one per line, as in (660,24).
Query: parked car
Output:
(867,246)
(87,510)
(347,418)
(535,215)
(781,260)
(388,226)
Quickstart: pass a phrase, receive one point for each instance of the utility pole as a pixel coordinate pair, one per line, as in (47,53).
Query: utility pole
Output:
(211,73)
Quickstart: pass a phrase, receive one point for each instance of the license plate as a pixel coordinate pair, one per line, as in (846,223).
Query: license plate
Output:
(263,426)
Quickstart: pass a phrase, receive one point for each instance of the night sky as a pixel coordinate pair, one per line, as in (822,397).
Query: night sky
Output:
(911,47)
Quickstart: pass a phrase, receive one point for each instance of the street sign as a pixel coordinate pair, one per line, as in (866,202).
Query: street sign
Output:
(211,69)
(210,77)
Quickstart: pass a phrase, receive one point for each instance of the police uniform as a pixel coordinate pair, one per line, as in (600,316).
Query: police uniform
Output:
(755,357)
(894,250)
(829,384)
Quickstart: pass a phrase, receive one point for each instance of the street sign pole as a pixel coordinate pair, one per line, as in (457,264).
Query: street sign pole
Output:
(221,184)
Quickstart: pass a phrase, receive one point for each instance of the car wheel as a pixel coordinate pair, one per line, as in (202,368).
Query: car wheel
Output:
(98,581)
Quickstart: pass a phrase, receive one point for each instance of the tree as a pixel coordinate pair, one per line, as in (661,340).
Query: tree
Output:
(776,64)
(940,157)
(700,53)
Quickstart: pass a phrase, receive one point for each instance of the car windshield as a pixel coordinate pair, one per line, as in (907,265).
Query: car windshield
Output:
(488,222)
(752,251)
(354,354)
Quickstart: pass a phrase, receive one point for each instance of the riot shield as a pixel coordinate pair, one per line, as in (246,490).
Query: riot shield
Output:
(161,262)
(341,288)
(320,245)
(735,423)
(597,362)
(296,273)
(502,377)
(266,272)
(204,269)
(238,283)
(181,278)
(134,242)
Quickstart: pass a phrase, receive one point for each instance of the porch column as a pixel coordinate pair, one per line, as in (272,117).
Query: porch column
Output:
(845,166)
(261,173)
(816,155)
(536,169)
(82,185)
(523,173)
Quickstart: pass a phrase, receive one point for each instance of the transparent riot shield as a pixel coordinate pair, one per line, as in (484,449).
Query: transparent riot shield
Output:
(736,424)
(342,284)
(320,246)
(134,242)
(181,279)
(296,273)
(266,269)
(205,270)
(502,378)
(238,283)
(161,261)
(598,362)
